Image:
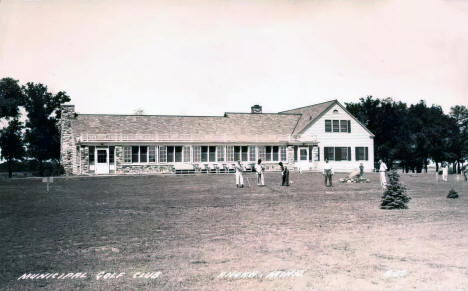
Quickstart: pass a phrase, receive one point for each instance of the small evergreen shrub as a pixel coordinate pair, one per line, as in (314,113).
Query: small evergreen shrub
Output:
(395,196)
(452,194)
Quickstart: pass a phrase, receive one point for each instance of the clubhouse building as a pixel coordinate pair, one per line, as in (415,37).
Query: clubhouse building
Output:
(301,138)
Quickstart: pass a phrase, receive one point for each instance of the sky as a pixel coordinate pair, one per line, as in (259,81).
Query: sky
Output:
(206,57)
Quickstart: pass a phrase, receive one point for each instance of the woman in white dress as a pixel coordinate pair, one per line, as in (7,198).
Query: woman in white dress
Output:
(382,170)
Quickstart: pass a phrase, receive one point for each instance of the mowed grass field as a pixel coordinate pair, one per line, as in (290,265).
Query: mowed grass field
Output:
(192,228)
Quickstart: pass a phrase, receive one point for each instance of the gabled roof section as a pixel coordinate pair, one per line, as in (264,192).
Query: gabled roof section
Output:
(309,114)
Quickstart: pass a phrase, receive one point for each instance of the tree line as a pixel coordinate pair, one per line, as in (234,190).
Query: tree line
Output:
(410,136)
(37,138)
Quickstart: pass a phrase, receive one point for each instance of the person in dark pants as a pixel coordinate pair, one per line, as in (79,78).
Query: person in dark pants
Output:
(284,174)
(328,173)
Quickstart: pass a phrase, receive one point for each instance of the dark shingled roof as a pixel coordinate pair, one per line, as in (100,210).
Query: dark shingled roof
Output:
(309,114)
(233,127)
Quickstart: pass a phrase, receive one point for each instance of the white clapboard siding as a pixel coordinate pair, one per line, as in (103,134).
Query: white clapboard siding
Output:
(358,136)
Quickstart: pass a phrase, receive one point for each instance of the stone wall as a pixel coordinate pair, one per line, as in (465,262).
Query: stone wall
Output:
(119,159)
(122,168)
(84,160)
(146,169)
(68,156)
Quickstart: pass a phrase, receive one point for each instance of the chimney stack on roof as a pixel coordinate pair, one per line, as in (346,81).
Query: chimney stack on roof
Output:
(256,109)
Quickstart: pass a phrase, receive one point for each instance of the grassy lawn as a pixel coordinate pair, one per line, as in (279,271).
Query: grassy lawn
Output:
(192,228)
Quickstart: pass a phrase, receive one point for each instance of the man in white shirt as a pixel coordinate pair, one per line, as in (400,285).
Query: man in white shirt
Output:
(445,172)
(239,175)
(260,176)
(328,173)
(382,170)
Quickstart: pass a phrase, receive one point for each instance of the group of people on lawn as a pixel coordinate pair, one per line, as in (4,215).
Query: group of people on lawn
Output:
(327,173)
(260,170)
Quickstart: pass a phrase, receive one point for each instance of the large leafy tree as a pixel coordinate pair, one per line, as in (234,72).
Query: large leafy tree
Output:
(11,140)
(12,144)
(431,130)
(11,97)
(42,132)
(413,135)
(459,138)
(387,119)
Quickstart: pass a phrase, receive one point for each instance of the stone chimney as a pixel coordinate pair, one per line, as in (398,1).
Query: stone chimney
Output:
(256,109)
(67,140)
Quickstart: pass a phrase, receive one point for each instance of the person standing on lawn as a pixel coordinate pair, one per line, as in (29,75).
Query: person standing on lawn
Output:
(284,175)
(361,170)
(445,172)
(260,175)
(239,175)
(328,173)
(382,170)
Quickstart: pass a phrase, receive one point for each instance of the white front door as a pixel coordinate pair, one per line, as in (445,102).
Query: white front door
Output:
(303,158)
(102,161)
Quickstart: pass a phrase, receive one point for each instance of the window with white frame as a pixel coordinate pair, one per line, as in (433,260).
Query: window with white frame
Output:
(186,154)
(139,154)
(241,153)
(229,153)
(162,154)
(178,154)
(362,153)
(272,153)
(152,154)
(174,154)
(337,125)
(261,153)
(220,153)
(196,154)
(143,154)
(344,125)
(208,153)
(244,153)
(337,153)
(329,153)
(170,154)
(328,125)
(135,154)
(252,153)
(283,153)
(212,153)
(127,154)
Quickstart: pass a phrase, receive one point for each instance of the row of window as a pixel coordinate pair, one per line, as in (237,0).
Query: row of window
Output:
(337,125)
(187,154)
(344,153)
